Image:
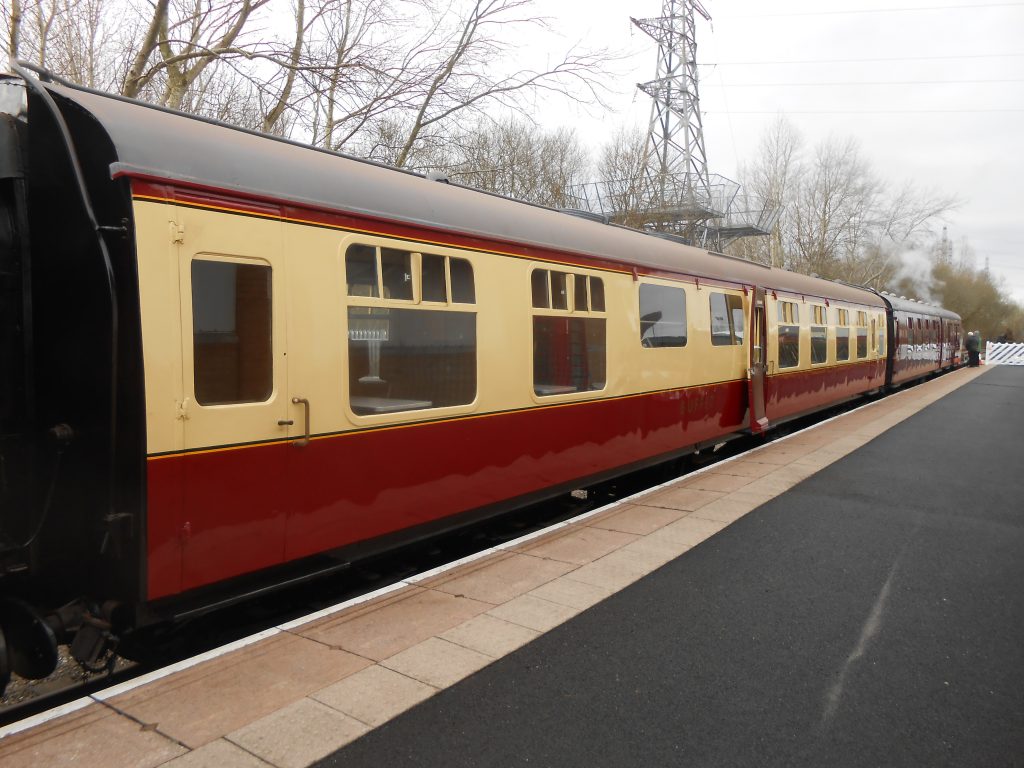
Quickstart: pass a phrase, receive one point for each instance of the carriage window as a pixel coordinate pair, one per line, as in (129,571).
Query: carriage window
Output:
(568,354)
(819,344)
(842,344)
(407,358)
(789,312)
(579,293)
(789,334)
(396,274)
(559,291)
(231,332)
(434,283)
(539,286)
(361,270)
(819,335)
(597,294)
(410,359)
(862,334)
(726,319)
(662,316)
(463,290)
(569,351)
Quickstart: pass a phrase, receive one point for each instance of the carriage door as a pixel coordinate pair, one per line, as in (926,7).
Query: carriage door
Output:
(756,371)
(234,395)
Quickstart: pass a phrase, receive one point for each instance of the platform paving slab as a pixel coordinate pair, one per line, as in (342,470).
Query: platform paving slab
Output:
(398,650)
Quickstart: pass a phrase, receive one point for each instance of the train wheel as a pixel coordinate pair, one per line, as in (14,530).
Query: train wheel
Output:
(31,646)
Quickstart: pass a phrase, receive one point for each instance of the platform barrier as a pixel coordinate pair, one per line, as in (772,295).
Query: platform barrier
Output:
(1004,354)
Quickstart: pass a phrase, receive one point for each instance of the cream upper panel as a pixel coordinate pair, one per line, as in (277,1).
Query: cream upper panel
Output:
(156,230)
(311,339)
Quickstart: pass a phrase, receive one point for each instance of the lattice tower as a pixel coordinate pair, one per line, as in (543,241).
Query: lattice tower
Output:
(676,163)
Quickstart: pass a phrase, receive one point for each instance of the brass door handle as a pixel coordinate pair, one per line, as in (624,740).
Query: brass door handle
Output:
(303,441)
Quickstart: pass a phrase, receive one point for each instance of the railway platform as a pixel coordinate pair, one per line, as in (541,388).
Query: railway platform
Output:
(849,595)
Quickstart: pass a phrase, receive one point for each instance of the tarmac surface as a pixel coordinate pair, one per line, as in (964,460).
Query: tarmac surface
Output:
(871,615)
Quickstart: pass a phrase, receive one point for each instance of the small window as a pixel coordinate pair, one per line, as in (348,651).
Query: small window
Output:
(463,287)
(726,319)
(579,293)
(818,315)
(434,281)
(231,332)
(539,286)
(842,343)
(789,312)
(361,270)
(596,294)
(396,274)
(862,319)
(662,316)
(559,290)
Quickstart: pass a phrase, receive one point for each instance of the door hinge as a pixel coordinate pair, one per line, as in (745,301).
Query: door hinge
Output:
(177,232)
(181,411)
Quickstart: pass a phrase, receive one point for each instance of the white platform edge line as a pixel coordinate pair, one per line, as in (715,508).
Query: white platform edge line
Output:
(180,666)
(44,717)
(170,669)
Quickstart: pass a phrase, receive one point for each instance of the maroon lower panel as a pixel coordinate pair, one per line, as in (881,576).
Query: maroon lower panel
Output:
(795,393)
(218,514)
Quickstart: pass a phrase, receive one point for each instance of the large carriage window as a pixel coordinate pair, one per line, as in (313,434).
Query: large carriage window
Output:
(231,332)
(568,354)
(407,358)
(662,316)
(819,335)
(789,334)
(569,348)
(726,319)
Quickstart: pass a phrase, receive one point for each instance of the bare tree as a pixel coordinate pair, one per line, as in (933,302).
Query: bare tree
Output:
(771,178)
(621,183)
(465,74)
(514,158)
(838,218)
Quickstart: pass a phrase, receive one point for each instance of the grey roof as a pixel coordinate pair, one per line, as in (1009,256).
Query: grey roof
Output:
(902,304)
(158,142)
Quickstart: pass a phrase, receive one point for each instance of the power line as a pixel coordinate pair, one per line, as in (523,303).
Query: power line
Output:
(854,11)
(864,61)
(860,111)
(873,82)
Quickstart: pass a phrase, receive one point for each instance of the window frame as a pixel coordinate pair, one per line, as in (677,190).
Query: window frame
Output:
(272,326)
(570,312)
(680,287)
(417,304)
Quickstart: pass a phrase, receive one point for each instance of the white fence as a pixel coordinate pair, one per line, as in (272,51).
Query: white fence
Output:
(1004,354)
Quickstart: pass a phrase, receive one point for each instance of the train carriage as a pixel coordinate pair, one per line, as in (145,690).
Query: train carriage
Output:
(241,361)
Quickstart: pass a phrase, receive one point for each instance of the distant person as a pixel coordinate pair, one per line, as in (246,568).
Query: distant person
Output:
(973,345)
(1006,338)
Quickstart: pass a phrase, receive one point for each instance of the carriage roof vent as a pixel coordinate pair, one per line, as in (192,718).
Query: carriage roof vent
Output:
(437,176)
(600,218)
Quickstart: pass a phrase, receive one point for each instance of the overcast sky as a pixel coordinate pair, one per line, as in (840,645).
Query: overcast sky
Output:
(932,89)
